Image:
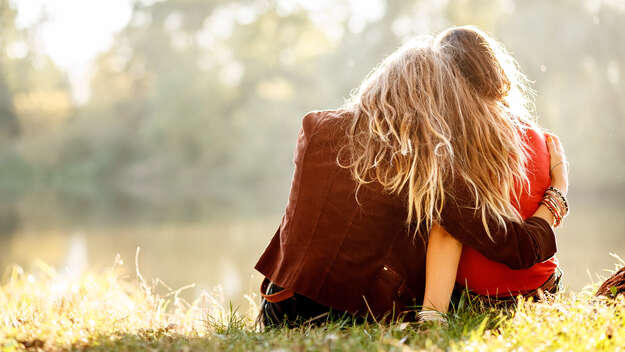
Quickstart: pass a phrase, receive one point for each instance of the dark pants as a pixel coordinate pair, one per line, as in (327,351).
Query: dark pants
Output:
(297,309)
(294,311)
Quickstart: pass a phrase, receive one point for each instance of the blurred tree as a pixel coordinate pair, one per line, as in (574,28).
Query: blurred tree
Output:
(34,94)
(202,99)
(574,52)
(9,127)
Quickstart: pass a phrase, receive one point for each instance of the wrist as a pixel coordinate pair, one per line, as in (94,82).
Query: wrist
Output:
(561,185)
(555,201)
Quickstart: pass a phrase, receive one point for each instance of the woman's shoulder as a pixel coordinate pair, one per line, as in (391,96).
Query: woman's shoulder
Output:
(317,117)
(534,138)
(533,135)
(330,123)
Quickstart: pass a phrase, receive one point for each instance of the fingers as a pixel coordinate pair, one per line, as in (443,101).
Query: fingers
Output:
(558,163)
(551,146)
(557,143)
(554,145)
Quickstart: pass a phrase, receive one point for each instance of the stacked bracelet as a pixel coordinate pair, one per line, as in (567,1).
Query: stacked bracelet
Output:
(556,202)
(560,196)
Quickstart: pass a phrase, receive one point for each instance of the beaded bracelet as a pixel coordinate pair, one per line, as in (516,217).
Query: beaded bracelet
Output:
(549,202)
(560,195)
(559,210)
(561,205)
(556,203)
(553,212)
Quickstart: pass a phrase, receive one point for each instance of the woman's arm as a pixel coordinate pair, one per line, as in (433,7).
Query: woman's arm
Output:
(518,245)
(441,266)
(559,174)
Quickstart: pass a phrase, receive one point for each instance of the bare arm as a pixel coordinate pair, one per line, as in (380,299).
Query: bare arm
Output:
(443,255)
(443,250)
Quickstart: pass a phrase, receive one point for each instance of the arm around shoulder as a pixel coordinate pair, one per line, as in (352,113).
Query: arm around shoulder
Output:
(519,245)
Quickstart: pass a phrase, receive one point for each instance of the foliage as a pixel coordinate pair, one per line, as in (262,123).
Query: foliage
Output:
(204,98)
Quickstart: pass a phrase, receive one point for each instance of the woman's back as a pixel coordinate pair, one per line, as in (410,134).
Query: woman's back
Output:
(487,277)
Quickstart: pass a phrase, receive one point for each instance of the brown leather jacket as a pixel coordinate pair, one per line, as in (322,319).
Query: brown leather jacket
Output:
(362,257)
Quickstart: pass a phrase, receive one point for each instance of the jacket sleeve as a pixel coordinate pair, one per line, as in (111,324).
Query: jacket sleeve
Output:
(518,245)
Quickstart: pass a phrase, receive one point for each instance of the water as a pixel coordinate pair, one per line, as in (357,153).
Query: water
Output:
(184,243)
(180,243)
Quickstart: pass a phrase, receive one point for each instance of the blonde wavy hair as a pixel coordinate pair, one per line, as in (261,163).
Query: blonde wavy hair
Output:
(440,109)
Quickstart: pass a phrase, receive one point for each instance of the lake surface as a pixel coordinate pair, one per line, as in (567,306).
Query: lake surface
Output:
(184,243)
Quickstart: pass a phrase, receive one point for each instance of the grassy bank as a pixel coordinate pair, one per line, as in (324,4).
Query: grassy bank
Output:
(114,311)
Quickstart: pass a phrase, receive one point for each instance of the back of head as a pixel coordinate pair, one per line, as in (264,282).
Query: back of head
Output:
(399,135)
(492,98)
(435,109)
(479,58)
(490,70)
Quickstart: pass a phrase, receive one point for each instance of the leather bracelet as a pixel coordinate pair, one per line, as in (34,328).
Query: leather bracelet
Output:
(561,202)
(561,195)
(555,211)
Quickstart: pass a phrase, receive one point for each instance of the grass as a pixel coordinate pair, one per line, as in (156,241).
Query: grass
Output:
(109,311)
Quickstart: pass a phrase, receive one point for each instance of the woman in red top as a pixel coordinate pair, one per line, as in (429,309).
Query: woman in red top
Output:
(448,261)
(425,140)
(487,277)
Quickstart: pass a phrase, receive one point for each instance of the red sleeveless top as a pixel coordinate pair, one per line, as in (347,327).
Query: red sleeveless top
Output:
(487,277)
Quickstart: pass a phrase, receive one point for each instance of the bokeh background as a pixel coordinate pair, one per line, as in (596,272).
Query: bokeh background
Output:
(170,125)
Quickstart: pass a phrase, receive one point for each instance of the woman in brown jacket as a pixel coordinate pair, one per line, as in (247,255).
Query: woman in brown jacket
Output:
(372,178)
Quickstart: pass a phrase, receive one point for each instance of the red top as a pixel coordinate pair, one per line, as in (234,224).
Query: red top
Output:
(487,277)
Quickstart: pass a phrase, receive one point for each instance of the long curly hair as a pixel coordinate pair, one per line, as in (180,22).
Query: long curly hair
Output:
(438,109)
